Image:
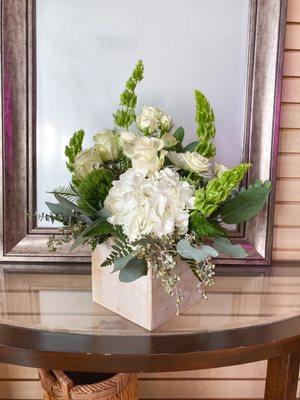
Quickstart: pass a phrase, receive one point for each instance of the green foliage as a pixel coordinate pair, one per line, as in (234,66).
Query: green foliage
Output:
(191,147)
(218,189)
(91,231)
(205,228)
(74,147)
(66,203)
(206,129)
(66,192)
(185,249)
(179,134)
(103,229)
(121,262)
(124,117)
(121,165)
(121,247)
(246,204)
(225,247)
(60,210)
(93,190)
(134,269)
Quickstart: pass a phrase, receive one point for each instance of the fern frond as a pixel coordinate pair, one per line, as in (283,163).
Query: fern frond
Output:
(66,192)
(121,247)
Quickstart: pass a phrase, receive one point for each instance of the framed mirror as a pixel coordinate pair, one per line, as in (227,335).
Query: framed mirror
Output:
(64,63)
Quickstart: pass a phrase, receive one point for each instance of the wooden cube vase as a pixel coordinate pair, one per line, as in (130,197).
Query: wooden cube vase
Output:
(143,301)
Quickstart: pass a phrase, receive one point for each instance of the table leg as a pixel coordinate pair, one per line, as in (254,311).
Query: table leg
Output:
(282,377)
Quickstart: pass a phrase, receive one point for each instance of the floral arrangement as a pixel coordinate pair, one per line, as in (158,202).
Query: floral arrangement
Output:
(161,201)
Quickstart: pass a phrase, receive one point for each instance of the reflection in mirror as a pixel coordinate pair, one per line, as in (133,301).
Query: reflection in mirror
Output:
(86,50)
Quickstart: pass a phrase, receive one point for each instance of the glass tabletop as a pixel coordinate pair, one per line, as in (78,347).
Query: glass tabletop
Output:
(62,302)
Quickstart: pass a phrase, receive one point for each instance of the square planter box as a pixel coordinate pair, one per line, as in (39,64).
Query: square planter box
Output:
(143,301)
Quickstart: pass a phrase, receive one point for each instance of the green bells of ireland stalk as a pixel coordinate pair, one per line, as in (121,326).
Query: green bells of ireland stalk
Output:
(218,189)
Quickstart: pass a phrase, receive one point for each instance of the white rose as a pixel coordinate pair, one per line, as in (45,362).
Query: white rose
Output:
(128,140)
(149,119)
(165,122)
(191,161)
(143,151)
(219,168)
(86,161)
(108,144)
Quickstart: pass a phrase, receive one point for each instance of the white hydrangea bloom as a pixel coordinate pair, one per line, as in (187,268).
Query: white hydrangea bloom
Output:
(191,161)
(143,205)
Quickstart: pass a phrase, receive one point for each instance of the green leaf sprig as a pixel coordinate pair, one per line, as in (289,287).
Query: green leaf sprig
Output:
(246,204)
(73,148)
(218,189)
(206,130)
(126,116)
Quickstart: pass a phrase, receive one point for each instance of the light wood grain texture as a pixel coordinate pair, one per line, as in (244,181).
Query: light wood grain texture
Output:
(287,214)
(283,255)
(291,65)
(20,390)
(293,12)
(289,141)
(292,40)
(290,116)
(288,166)
(291,90)
(288,190)
(143,301)
(286,238)
(202,389)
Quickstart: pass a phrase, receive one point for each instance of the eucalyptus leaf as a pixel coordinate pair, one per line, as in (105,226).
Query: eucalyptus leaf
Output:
(59,209)
(84,218)
(121,262)
(224,246)
(134,269)
(103,213)
(79,240)
(191,147)
(179,134)
(185,249)
(66,203)
(246,204)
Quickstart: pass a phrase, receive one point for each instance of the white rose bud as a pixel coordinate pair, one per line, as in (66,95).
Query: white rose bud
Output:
(149,119)
(166,123)
(86,161)
(219,168)
(108,144)
(191,161)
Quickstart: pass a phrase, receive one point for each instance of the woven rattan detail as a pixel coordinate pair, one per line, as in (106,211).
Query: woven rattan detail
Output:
(57,386)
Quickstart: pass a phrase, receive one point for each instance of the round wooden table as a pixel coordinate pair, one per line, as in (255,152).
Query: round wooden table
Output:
(49,321)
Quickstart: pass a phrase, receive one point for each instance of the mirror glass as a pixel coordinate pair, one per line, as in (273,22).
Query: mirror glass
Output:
(86,50)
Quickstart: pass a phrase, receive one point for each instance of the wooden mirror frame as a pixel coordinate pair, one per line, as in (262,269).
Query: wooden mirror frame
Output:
(21,239)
